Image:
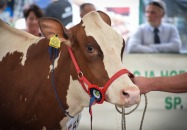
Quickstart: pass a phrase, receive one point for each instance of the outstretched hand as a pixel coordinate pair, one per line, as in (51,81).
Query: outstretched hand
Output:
(143,84)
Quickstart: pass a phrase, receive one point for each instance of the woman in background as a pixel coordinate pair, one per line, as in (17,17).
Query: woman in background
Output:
(32,14)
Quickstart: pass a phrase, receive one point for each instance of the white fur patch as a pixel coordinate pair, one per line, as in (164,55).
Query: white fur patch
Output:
(55,65)
(77,98)
(109,41)
(12,40)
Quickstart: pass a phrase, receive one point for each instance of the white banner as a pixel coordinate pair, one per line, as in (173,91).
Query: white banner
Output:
(155,64)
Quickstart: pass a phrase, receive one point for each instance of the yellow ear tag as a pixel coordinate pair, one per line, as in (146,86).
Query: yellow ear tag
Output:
(54,41)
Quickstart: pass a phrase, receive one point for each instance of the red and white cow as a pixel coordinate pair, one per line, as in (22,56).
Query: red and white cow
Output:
(27,96)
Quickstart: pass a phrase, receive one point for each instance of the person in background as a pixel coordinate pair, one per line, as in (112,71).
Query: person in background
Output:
(86,8)
(43,5)
(173,84)
(32,14)
(5,14)
(3,5)
(155,36)
(61,10)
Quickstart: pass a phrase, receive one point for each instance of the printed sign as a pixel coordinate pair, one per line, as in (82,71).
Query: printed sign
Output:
(73,123)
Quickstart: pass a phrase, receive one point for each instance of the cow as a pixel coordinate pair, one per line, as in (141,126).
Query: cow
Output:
(42,90)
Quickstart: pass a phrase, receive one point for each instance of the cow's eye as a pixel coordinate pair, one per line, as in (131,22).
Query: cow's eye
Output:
(90,48)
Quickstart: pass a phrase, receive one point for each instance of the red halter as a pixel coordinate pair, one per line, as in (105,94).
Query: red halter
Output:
(97,94)
(102,90)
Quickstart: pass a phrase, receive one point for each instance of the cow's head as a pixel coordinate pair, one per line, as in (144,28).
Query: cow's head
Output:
(98,50)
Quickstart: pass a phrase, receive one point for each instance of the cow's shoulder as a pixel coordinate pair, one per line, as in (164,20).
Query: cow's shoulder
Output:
(15,40)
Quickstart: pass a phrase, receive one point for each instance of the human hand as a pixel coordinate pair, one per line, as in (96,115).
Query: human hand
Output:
(142,83)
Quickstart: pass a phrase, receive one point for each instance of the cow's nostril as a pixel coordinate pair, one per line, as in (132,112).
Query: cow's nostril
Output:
(125,94)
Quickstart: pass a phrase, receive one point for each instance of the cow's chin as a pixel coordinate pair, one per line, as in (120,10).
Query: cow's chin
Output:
(122,100)
(126,106)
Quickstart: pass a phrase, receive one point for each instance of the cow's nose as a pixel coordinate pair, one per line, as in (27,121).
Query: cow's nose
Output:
(126,94)
(131,96)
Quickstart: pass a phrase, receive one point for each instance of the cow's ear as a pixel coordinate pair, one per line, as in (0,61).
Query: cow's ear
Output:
(51,27)
(105,17)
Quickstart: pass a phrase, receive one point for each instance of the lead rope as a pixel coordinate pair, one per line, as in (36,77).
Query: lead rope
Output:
(123,121)
(145,108)
(54,44)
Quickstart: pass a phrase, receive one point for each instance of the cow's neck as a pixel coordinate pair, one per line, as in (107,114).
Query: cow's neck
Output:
(76,97)
(68,84)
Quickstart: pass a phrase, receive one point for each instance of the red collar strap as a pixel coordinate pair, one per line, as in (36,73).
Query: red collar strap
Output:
(94,90)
